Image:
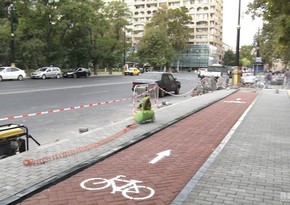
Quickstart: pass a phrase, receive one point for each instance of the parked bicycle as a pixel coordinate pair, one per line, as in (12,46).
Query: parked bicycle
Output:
(129,188)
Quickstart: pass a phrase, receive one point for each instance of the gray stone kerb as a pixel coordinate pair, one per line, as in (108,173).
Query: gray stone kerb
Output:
(18,180)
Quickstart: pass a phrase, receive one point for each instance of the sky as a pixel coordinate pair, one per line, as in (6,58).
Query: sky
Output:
(248,29)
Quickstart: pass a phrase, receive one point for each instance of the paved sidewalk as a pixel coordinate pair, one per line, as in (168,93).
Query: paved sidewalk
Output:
(18,180)
(251,165)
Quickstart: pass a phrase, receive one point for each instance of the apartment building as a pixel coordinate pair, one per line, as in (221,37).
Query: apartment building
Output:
(207,23)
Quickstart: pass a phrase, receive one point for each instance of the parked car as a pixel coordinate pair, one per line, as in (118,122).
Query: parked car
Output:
(10,73)
(132,71)
(77,72)
(248,79)
(47,72)
(277,78)
(164,80)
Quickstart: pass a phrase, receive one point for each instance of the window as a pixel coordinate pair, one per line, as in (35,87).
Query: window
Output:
(171,78)
(14,69)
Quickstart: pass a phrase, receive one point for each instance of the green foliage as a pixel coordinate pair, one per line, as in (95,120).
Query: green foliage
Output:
(275,39)
(155,48)
(247,56)
(166,35)
(229,58)
(66,33)
(5,41)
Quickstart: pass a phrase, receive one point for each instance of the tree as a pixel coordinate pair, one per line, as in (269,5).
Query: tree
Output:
(116,15)
(174,21)
(155,48)
(4,43)
(276,16)
(229,58)
(247,56)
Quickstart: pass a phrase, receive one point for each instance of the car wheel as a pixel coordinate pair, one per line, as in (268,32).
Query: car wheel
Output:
(87,75)
(177,90)
(1,78)
(20,77)
(43,77)
(75,76)
(57,76)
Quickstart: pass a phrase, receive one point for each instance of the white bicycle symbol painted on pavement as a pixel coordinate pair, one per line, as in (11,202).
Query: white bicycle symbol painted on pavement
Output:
(130,189)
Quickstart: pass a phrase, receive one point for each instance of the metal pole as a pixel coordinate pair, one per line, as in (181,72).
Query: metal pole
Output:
(124,57)
(258,44)
(12,47)
(237,72)
(238,36)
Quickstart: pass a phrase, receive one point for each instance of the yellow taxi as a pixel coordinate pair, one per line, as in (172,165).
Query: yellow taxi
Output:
(132,71)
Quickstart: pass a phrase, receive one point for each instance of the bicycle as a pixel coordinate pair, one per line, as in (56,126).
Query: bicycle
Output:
(130,189)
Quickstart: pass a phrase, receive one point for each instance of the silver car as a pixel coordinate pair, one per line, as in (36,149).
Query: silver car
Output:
(47,72)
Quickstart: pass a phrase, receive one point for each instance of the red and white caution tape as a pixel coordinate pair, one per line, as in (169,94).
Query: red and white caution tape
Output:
(61,109)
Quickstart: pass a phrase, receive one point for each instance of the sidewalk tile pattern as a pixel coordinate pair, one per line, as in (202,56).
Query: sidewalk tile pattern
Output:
(190,140)
(254,166)
(18,180)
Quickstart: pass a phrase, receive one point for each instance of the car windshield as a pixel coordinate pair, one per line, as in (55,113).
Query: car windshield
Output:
(41,69)
(155,76)
(1,69)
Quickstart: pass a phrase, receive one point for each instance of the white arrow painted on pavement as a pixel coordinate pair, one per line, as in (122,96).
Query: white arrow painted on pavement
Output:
(160,155)
(238,100)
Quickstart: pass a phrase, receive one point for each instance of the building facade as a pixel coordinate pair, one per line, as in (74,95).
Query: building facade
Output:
(207,25)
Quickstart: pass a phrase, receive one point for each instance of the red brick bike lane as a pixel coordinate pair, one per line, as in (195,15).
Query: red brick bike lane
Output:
(154,170)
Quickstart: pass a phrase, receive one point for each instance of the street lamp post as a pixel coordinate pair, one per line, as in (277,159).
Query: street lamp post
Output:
(12,47)
(238,36)
(124,50)
(236,71)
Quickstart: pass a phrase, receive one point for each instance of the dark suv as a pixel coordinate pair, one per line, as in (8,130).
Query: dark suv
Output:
(164,80)
(77,72)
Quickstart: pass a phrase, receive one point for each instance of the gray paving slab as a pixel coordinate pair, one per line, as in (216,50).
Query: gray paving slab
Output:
(18,180)
(253,162)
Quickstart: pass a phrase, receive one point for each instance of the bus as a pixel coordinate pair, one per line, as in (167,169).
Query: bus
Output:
(216,70)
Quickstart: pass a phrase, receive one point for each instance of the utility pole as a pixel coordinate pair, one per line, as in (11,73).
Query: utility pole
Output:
(238,36)
(237,71)
(12,47)
(258,44)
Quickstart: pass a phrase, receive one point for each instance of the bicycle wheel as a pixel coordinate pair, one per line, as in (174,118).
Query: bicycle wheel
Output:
(95,184)
(144,193)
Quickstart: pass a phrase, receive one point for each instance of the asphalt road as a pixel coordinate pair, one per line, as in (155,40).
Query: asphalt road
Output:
(36,97)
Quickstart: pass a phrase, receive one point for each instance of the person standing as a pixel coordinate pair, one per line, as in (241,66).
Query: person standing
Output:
(287,78)
(268,78)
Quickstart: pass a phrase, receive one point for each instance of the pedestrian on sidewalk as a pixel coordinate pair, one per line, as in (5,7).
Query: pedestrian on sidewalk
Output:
(287,78)
(268,78)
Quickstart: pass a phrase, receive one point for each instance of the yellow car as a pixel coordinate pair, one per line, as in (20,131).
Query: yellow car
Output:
(132,71)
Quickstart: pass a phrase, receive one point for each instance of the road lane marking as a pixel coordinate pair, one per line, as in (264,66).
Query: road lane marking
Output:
(60,88)
(105,91)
